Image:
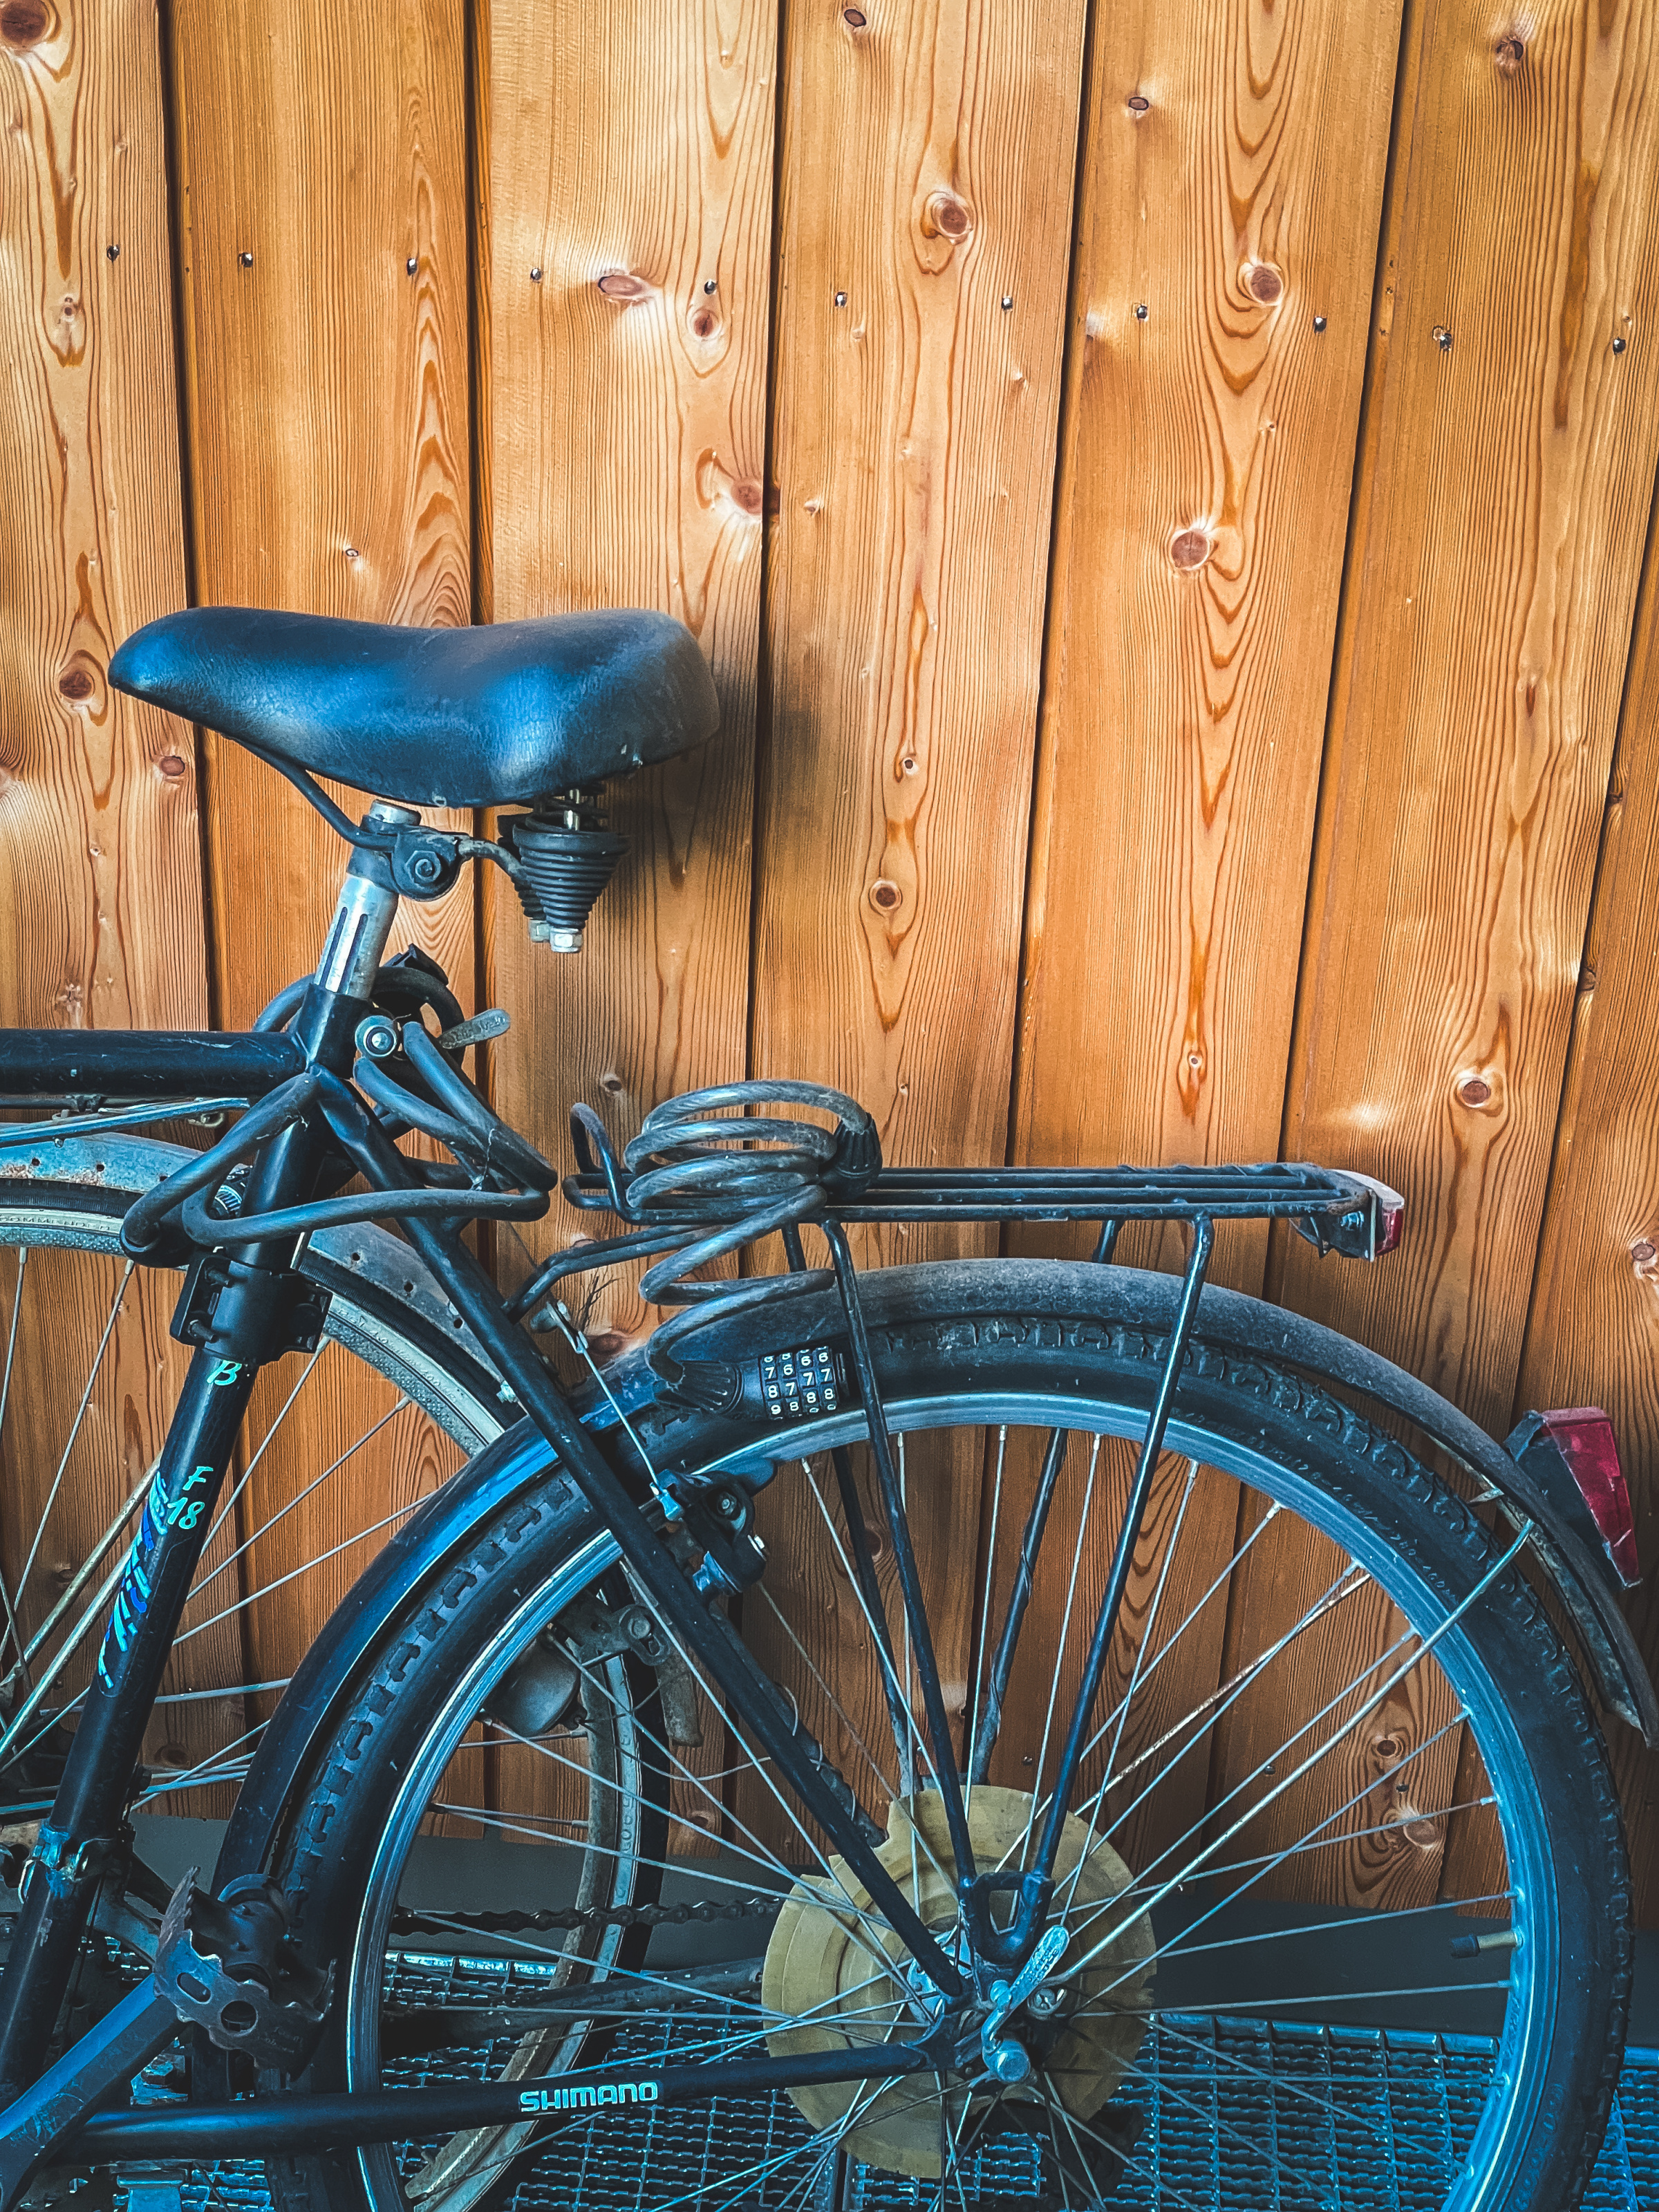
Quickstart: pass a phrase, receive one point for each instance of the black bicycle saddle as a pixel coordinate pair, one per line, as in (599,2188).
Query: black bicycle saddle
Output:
(512,711)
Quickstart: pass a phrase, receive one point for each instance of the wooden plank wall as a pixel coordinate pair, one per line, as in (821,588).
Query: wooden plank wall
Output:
(1159,496)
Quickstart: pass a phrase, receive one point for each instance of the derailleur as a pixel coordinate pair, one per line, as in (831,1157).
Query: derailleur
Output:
(226,1965)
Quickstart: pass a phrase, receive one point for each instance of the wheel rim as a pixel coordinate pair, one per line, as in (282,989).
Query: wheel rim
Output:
(1490,2159)
(333,1461)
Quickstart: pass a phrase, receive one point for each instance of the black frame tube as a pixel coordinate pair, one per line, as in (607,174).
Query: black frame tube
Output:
(140,1064)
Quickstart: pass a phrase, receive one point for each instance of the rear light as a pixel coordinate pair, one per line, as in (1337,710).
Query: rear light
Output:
(1390,1214)
(1573,1455)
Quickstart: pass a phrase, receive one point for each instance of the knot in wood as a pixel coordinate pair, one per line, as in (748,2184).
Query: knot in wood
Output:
(885,895)
(1190,549)
(853,18)
(748,496)
(171,766)
(704,323)
(1473,1090)
(1510,52)
(1264,282)
(1137,103)
(24,23)
(76,684)
(947,217)
(1642,1252)
(622,284)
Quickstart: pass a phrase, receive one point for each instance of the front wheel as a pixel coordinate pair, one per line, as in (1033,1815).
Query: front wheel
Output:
(1344,1891)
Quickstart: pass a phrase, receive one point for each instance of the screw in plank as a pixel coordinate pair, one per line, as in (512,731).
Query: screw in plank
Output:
(1140,310)
(1442,338)
(1318,325)
(1618,346)
(1007,301)
(840,298)
(111,253)
(710,286)
(246,260)
(412,265)
(535,275)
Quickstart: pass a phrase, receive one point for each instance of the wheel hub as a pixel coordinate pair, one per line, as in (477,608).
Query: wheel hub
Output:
(847,1982)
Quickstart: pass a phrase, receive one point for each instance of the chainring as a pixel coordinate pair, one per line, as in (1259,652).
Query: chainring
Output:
(842,1978)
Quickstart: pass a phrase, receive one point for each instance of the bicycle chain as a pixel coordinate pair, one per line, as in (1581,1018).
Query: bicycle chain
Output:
(573,1917)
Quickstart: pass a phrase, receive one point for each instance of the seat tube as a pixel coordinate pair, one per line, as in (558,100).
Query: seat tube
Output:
(85,1832)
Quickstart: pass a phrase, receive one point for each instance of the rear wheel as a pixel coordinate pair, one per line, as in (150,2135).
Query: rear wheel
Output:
(1344,1894)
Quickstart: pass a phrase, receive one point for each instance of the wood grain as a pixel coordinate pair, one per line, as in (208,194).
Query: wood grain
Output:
(320,154)
(1592,1333)
(1216,346)
(927,174)
(1503,489)
(628,444)
(101,889)
(100,897)
(1505,469)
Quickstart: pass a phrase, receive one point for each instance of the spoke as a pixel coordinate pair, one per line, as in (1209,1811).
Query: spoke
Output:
(5,1400)
(75,1430)
(836,1705)
(1177,1948)
(1060,1654)
(985,1621)
(883,1653)
(1134,1676)
(299,1497)
(1293,2085)
(242,1480)
(90,1565)
(1075,2127)
(93,1614)
(1338,1735)
(269,1589)
(1330,1820)
(1167,2089)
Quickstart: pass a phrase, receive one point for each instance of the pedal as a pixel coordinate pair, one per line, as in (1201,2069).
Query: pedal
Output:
(225,1965)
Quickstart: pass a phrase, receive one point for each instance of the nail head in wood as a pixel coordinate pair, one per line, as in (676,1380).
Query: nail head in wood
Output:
(840,298)
(111,253)
(412,265)
(710,285)
(1318,325)
(1140,310)
(1618,346)
(536,278)
(246,260)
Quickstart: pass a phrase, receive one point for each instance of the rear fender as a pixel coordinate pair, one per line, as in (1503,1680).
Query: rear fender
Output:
(521,1460)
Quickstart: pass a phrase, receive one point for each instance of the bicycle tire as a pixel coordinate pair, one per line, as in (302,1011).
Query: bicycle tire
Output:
(957,1341)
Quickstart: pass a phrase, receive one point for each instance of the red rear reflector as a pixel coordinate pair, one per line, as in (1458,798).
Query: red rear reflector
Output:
(1390,1214)
(1583,1435)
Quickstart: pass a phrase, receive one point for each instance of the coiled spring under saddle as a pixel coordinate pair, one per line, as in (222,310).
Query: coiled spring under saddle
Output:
(711,1172)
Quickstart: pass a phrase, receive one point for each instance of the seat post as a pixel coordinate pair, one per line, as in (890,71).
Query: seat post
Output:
(363,914)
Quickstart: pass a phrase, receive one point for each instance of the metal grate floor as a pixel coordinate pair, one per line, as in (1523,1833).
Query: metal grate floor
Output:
(1352,2120)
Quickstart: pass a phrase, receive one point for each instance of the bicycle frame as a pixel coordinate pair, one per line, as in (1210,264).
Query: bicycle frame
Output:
(303,1116)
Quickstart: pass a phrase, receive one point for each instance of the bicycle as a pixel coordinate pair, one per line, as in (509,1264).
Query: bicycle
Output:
(665,1754)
